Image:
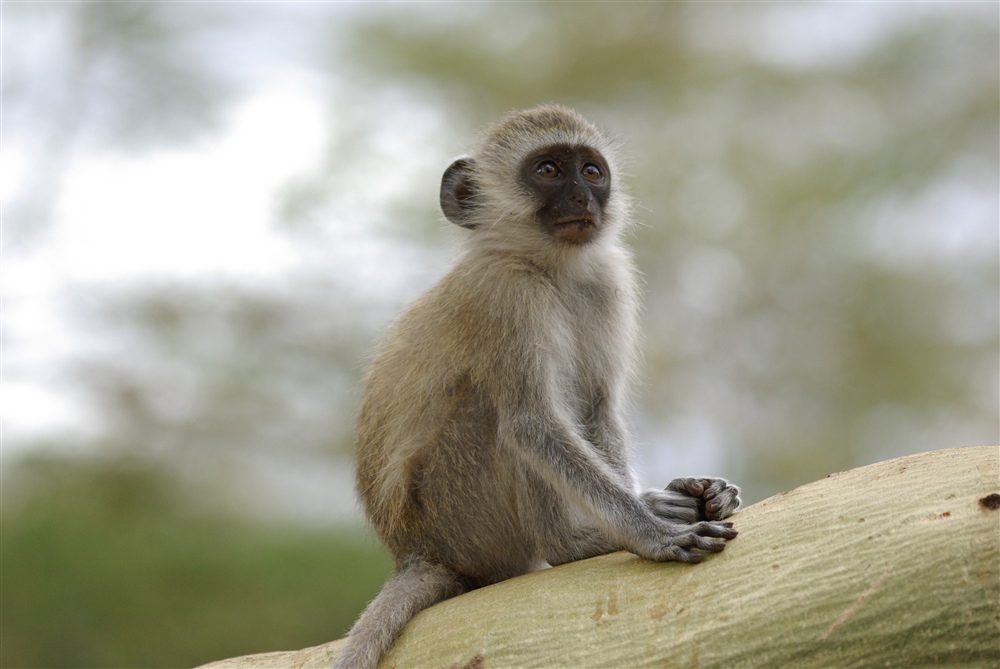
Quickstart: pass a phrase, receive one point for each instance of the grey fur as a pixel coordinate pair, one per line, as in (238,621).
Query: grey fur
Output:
(491,437)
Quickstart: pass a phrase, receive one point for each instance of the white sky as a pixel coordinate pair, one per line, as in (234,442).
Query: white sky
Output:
(196,213)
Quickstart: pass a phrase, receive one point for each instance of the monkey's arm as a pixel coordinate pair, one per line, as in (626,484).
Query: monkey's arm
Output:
(521,363)
(553,449)
(537,426)
(685,500)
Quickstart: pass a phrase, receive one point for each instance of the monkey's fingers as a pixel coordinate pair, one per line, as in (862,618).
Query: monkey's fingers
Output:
(707,536)
(681,542)
(714,529)
(721,499)
(695,487)
(685,548)
(707,545)
(679,554)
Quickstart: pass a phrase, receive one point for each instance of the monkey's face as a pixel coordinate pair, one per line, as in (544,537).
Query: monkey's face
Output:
(571,185)
(539,175)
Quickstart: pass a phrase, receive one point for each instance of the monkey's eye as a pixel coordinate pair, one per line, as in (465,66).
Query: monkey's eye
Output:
(591,172)
(548,170)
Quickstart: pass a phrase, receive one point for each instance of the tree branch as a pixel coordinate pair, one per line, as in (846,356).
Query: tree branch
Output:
(896,564)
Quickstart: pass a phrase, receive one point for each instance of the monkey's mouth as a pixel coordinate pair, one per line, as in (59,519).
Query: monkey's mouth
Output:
(574,230)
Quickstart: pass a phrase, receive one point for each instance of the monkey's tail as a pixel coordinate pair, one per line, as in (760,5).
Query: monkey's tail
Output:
(417,585)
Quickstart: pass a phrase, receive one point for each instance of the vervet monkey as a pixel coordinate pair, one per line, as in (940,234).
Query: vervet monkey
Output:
(491,439)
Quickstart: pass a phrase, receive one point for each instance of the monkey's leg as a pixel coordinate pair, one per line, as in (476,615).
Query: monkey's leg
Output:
(579,543)
(417,585)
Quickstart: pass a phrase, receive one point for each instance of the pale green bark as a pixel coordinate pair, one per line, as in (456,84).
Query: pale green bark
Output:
(896,564)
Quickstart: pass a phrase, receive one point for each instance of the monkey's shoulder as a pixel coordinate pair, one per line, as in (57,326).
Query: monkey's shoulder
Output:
(487,309)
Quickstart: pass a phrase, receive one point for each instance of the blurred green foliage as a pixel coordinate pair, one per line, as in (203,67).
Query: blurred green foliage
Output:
(105,566)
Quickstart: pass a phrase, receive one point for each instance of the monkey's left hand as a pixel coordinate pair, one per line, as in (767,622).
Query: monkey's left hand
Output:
(690,500)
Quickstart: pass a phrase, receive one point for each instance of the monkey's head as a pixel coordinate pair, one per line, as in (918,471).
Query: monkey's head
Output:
(542,174)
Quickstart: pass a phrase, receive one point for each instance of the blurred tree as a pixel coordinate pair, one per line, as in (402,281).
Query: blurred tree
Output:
(105,565)
(225,369)
(120,75)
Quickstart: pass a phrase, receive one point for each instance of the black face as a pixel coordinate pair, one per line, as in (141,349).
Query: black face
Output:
(572,185)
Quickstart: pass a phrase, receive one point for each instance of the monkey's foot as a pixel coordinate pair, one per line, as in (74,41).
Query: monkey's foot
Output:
(690,500)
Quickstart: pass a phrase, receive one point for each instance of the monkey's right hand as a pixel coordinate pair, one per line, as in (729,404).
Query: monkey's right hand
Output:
(684,542)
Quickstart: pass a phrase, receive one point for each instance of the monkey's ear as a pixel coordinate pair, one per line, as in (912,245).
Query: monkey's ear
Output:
(459,192)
